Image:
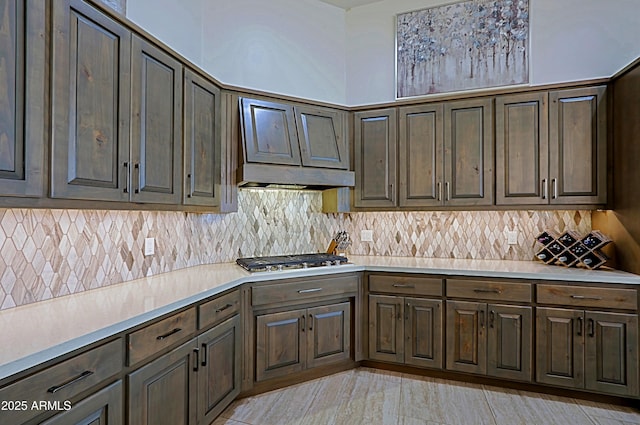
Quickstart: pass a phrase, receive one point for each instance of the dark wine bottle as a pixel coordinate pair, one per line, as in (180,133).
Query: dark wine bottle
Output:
(545,238)
(567,259)
(545,256)
(555,248)
(595,240)
(578,249)
(593,260)
(568,238)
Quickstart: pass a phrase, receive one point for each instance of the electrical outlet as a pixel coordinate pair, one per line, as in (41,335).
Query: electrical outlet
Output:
(512,237)
(149,246)
(366,235)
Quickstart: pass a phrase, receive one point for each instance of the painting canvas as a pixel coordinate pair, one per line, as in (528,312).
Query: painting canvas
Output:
(462,46)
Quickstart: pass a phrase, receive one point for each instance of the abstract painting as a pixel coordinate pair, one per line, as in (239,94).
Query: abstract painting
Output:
(462,46)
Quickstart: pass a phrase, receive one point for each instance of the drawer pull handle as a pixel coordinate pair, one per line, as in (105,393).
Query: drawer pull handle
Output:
(223,308)
(403,285)
(168,334)
(307,291)
(583,297)
(487,291)
(72,381)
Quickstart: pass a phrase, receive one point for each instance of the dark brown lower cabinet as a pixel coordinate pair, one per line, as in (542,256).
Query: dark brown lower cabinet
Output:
(405,330)
(102,408)
(489,339)
(192,383)
(291,341)
(586,349)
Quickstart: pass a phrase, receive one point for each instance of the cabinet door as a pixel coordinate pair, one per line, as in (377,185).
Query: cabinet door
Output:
(421,156)
(280,344)
(560,347)
(101,408)
(90,97)
(611,363)
(509,342)
(269,132)
(321,133)
(423,332)
(329,334)
(202,131)
(156,133)
(522,149)
(386,328)
(375,158)
(219,377)
(578,146)
(468,152)
(161,393)
(466,337)
(22,80)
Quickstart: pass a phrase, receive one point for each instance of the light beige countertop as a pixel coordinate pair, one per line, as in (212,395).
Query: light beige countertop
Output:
(35,333)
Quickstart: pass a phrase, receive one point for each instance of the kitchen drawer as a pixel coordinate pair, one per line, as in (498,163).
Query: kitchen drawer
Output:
(63,381)
(219,309)
(410,285)
(587,296)
(489,290)
(301,290)
(160,335)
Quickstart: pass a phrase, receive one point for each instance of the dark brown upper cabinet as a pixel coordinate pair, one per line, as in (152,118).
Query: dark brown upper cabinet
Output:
(578,146)
(269,132)
(201,141)
(22,90)
(91,98)
(445,155)
(321,137)
(156,125)
(375,147)
(551,148)
(468,152)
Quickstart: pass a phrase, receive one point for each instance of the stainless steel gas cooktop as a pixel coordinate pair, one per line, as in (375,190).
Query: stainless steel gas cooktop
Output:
(281,262)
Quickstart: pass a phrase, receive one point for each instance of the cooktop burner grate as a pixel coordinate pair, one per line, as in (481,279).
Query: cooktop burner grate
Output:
(279,262)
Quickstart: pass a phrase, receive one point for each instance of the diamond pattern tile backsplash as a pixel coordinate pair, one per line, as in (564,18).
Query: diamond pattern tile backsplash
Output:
(52,253)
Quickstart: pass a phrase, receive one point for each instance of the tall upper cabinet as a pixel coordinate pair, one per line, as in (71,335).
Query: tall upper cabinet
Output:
(107,85)
(22,90)
(551,148)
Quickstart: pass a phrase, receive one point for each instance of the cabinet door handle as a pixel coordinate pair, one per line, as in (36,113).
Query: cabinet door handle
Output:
(554,188)
(492,316)
(204,354)
(307,291)
(448,188)
(482,319)
(70,382)
(439,191)
(125,166)
(583,297)
(303,322)
(190,185)
(137,186)
(223,308)
(487,291)
(311,322)
(580,324)
(196,362)
(168,334)
(403,285)
(545,188)
(592,328)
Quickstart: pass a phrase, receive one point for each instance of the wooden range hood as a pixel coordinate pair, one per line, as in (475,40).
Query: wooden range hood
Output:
(293,145)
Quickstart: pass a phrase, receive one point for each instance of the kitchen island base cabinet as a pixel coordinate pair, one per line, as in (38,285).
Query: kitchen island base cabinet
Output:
(292,341)
(103,408)
(596,351)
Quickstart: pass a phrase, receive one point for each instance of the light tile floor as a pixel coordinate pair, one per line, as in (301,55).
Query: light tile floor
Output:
(374,397)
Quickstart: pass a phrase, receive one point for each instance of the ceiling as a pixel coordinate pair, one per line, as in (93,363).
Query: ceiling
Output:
(348,4)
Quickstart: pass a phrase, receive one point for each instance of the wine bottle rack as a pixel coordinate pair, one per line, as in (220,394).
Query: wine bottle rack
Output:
(571,250)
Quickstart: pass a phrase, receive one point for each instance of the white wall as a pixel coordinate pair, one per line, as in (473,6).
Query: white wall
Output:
(293,47)
(178,24)
(313,50)
(570,40)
